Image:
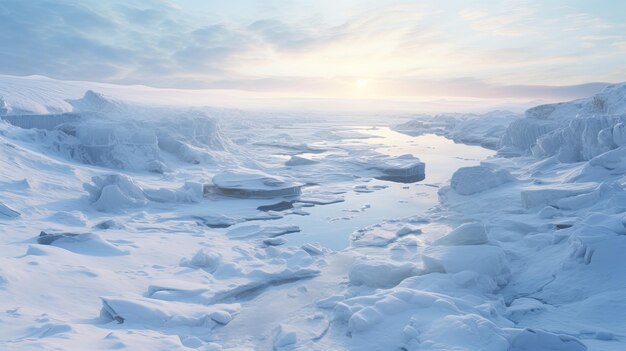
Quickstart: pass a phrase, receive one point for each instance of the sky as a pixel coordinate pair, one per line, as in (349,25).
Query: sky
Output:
(339,49)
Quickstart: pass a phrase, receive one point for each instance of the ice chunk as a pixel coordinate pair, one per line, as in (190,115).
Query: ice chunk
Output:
(254,184)
(472,180)
(403,169)
(465,234)
(114,191)
(484,259)
(6,211)
(321,199)
(381,274)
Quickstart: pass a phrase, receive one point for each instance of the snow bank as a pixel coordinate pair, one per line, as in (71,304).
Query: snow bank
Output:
(472,180)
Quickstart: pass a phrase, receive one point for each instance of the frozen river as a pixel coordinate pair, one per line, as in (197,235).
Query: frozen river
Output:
(331,225)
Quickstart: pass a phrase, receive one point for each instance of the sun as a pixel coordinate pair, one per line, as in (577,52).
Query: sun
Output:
(361,83)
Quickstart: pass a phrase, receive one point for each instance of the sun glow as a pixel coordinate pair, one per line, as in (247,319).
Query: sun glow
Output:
(361,83)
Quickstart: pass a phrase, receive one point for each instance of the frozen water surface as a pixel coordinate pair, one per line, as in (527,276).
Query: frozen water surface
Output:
(330,225)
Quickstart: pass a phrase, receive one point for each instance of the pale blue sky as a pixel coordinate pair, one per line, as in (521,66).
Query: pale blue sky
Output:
(323,48)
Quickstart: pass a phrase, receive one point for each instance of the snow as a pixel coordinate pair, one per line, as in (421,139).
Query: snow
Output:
(144,227)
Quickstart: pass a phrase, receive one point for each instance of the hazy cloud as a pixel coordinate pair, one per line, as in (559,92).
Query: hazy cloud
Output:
(400,48)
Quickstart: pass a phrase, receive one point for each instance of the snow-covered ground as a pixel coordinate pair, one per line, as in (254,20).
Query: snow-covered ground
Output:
(131,226)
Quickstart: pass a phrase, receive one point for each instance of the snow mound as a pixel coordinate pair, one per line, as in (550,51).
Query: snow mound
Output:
(472,180)
(254,184)
(113,192)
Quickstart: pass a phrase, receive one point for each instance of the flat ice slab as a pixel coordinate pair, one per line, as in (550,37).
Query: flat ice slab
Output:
(254,184)
(403,169)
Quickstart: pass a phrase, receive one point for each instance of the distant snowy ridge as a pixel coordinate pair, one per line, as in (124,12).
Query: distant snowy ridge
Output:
(480,129)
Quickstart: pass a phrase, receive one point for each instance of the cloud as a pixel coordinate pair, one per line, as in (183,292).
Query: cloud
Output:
(400,47)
